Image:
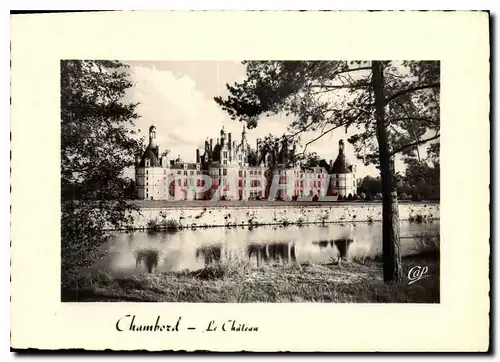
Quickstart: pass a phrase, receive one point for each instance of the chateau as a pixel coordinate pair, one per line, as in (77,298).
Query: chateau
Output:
(237,172)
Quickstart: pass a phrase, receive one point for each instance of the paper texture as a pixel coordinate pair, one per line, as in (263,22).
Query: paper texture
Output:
(458,39)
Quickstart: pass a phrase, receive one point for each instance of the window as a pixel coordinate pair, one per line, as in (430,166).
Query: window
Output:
(179,182)
(337,183)
(224,172)
(197,172)
(251,173)
(191,173)
(179,172)
(146,172)
(337,176)
(225,154)
(240,173)
(225,162)
(185,173)
(185,182)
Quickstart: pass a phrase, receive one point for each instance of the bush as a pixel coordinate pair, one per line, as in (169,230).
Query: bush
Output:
(427,243)
(378,196)
(350,197)
(416,197)
(169,224)
(369,197)
(340,198)
(153,224)
(356,197)
(403,196)
(362,196)
(315,198)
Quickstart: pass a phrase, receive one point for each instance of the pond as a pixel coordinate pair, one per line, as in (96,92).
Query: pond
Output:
(143,251)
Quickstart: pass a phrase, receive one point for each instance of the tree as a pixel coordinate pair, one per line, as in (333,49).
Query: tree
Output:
(423,175)
(97,144)
(370,185)
(311,159)
(391,107)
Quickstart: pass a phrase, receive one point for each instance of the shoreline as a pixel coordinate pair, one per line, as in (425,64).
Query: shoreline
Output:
(195,215)
(164,204)
(348,282)
(281,225)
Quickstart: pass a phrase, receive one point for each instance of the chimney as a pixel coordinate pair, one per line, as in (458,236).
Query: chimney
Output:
(197,156)
(211,145)
(229,143)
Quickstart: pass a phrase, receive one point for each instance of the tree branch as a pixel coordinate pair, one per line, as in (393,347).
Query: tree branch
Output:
(410,118)
(413,89)
(415,144)
(321,135)
(347,86)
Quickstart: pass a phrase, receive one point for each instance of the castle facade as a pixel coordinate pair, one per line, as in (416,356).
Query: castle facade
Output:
(232,170)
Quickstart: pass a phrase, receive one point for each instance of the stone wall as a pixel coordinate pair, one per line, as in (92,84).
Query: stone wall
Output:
(210,216)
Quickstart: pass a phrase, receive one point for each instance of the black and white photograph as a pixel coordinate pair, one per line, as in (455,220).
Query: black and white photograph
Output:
(250,181)
(228,181)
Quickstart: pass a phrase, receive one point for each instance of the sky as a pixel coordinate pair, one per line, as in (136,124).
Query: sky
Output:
(178,98)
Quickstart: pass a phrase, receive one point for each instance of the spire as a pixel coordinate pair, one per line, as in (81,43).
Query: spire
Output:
(341,147)
(152,136)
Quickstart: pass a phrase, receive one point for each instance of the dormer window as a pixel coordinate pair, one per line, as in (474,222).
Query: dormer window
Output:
(146,162)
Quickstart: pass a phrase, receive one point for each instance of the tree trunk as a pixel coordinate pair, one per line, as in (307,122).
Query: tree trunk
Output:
(390,213)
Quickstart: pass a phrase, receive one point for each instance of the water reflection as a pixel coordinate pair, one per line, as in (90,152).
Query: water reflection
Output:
(140,252)
(272,253)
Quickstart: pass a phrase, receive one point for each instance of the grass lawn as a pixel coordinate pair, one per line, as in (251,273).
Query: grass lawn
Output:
(353,282)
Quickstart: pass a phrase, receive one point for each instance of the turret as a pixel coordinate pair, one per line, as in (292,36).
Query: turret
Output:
(244,135)
(152,137)
(222,136)
(257,151)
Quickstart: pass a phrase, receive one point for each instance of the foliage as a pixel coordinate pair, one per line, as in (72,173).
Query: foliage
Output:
(391,107)
(325,95)
(97,144)
(423,176)
(427,243)
(370,185)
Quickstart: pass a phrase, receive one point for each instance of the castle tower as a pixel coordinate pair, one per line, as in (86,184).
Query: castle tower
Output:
(222,136)
(152,136)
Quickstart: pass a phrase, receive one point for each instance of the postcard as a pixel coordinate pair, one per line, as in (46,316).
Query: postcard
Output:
(250,181)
